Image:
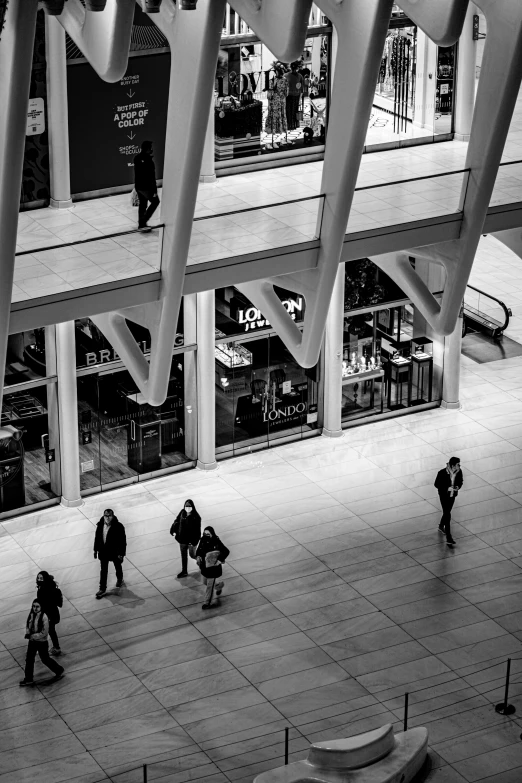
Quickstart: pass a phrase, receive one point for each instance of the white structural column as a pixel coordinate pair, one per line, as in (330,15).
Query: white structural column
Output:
(190,376)
(425,83)
(452,353)
(16,58)
(57,114)
(466,78)
(206,363)
(68,414)
(53,410)
(208,164)
(333,360)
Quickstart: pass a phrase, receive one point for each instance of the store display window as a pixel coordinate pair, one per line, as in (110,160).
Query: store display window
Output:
(385,367)
(263,105)
(394,102)
(121,437)
(262,394)
(29,456)
(26,357)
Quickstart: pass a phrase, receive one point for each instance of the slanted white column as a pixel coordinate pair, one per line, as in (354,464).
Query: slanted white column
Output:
(190,376)
(452,354)
(57,124)
(208,165)
(206,362)
(466,78)
(333,359)
(68,414)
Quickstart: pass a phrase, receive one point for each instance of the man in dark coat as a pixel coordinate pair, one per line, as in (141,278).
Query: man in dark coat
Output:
(110,544)
(448,482)
(145,184)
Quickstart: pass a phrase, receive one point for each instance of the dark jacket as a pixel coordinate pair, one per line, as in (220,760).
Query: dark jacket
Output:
(443,482)
(116,544)
(210,545)
(144,172)
(50,598)
(186,528)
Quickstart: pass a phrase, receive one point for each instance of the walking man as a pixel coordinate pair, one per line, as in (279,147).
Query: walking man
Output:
(448,482)
(145,185)
(110,544)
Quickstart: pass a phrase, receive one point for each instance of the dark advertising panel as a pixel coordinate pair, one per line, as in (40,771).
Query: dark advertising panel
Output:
(108,122)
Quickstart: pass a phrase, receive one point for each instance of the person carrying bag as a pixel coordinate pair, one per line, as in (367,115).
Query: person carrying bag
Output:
(210,555)
(186,529)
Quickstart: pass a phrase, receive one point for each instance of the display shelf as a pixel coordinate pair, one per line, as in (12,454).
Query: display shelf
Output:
(359,377)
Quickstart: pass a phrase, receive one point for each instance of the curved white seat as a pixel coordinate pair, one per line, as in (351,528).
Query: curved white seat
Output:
(353,752)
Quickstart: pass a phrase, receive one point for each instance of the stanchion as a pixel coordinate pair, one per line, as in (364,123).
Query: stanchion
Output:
(406,697)
(286,745)
(504,708)
(145,776)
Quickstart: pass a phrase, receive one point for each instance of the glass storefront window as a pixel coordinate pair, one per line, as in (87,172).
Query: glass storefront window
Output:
(386,365)
(29,464)
(263,105)
(26,357)
(262,394)
(121,436)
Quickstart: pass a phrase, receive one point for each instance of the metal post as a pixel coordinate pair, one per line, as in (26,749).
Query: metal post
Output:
(287,730)
(504,708)
(145,776)
(406,698)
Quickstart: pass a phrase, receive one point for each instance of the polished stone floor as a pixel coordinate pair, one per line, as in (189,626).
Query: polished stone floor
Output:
(340,596)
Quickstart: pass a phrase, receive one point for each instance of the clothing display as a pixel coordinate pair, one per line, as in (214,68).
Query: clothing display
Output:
(276,118)
(293,99)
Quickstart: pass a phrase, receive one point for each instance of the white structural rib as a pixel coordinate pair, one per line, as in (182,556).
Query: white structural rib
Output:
(16,58)
(102,37)
(194,38)
(499,84)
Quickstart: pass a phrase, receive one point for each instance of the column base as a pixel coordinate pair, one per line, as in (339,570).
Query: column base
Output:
(71,503)
(462,136)
(206,465)
(450,406)
(332,433)
(208,178)
(56,204)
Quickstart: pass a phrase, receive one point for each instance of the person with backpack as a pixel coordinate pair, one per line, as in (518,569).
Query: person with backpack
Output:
(110,545)
(50,599)
(186,529)
(210,555)
(37,632)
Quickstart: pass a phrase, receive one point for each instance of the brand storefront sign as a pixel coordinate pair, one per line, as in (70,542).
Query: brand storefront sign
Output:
(251,318)
(287,412)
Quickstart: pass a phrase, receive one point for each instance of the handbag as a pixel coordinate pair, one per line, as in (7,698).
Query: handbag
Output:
(134,199)
(212,558)
(192,551)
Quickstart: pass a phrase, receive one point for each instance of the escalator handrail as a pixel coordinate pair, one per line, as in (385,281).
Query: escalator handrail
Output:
(505,308)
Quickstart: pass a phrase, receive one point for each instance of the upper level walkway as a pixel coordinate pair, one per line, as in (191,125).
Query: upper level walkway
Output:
(247,226)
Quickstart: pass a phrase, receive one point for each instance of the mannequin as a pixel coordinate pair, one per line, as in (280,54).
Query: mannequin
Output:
(276,118)
(293,99)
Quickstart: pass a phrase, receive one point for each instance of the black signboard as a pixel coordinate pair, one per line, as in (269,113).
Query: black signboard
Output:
(108,122)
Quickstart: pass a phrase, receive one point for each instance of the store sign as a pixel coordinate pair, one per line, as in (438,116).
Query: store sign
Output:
(35,117)
(104,355)
(87,466)
(288,412)
(252,318)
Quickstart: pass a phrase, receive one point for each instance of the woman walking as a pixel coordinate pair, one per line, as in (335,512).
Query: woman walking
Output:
(210,555)
(37,630)
(50,599)
(186,529)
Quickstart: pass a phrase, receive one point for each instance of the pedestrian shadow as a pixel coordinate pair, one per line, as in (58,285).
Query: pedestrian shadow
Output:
(132,599)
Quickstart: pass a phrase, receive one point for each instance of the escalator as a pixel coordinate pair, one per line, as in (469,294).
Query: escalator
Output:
(484,313)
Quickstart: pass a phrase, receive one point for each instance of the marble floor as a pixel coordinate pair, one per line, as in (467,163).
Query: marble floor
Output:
(340,596)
